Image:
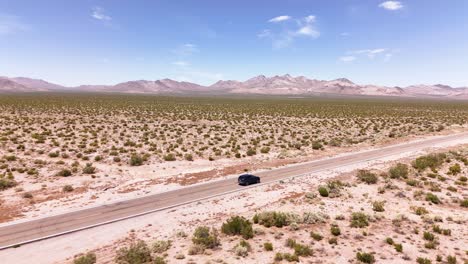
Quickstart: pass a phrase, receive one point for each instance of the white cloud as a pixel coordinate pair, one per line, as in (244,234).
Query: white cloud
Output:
(391,5)
(181,63)
(371,53)
(305,27)
(345,34)
(186,50)
(279,19)
(98,13)
(11,24)
(347,58)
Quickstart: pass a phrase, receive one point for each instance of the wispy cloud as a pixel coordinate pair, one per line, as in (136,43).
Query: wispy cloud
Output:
(11,24)
(371,53)
(186,50)
(304,27)
(181,63)
(391,5)
(279,19)
(379,53)
(345,34)
(99,14)
(347,58)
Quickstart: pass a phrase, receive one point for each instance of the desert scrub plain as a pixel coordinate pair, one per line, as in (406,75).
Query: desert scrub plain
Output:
(62,151)
(412,210)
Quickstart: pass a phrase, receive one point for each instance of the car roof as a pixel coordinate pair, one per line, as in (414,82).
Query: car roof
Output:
(245,175)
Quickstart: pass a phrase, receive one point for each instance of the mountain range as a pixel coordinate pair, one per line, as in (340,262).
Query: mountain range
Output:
(285,85)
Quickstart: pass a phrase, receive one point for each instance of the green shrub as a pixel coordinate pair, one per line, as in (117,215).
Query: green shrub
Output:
(323,191)
(420,260)
(136,253)
(7,183)
(454,169)
(251,152)
(203,236)
(463,203)
(430,197)
(359,219)
(265,150)
(169,157)
(398,247)
(365,257)
(378,206)
(89,258)
(64,173)
(238,225)
(389,241)
(136,160)
(159,260)
(420,210)
(242,249)
(398,171)
(451,260)
(268,246)
(302,250)
(367,177)
(188,157)
(89,169)
(335,230)
(272,218)
(428,236)
(161,246)
(68,188)
(316,236)
(429,161)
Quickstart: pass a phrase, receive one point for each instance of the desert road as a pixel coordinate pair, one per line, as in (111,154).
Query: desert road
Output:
(15,234)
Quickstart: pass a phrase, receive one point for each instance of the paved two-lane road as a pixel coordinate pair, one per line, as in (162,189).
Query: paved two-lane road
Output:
(39,229)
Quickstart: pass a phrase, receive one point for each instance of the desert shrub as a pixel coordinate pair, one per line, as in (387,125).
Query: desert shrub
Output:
(89,258)
(451,259)
(265,150)
(196,249)
(54,154)
(317,145)
(160,260)
(421,260)
(335,230)
(365,257)
(136,160)
(302,250)
(272,218)
(398,247)
(116,159)
(64,173)
(206,237)
(454,169)
(420,210)
(428,236)
(238,225)
(463,203)
(378,206)
(290,257)
(89,169)
(27,195)
(389,241)
(136,253)
(398,171)
(251,152)
(359,219)
(169,157)
(188,157)
(323,191)
(430,197)
(316,236)
(278,256)
(242,249)
(268,246)
(161,246)
(333,241)
(367,177)
(429,161)
(97,158)
(7,183)
(314,217)
(67,188)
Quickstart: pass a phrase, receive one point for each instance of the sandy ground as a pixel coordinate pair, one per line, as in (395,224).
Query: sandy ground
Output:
(279,196)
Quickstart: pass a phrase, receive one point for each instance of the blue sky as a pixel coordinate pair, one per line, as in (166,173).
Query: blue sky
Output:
(106,42)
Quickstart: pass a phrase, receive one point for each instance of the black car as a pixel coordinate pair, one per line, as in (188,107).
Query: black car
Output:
(247,179)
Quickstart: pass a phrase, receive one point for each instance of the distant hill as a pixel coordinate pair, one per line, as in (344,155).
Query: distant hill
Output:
(261,85)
